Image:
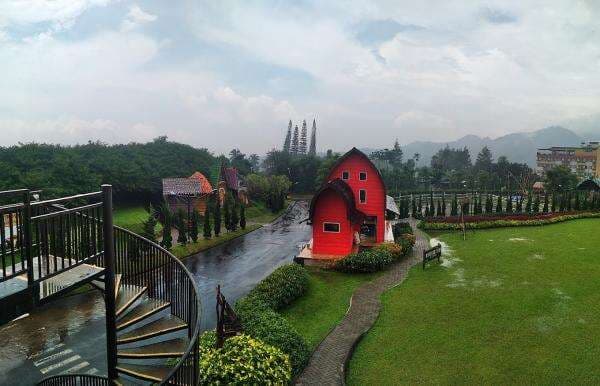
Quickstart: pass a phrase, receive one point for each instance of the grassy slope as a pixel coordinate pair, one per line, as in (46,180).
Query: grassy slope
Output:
(324,304)
(182,251)
(525,312)
(130,217)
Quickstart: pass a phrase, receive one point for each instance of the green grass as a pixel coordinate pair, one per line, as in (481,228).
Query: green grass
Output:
(324,305)
(131,217)
(182,251)
(258,213)
(508,312)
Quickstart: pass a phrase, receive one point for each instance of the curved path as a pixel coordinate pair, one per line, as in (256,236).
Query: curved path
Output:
(328,362)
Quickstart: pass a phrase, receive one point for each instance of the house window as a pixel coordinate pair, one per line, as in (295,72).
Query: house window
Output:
(331,227)
(345,175)
(362,196)
(362,176)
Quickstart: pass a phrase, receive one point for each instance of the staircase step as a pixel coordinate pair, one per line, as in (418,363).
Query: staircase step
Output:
(100,284)
(141,312)
(167,349)
(144,372)
(127,296)
(158,327)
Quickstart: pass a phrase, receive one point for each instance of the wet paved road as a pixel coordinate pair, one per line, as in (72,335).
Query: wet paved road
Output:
(68,334)
(237,266)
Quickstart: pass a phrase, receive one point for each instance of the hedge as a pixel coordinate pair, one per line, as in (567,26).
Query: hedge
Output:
(241,361)
(257,312)
(500,223)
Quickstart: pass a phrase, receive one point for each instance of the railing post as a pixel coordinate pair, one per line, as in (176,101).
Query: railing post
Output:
(109,281)
(27,240)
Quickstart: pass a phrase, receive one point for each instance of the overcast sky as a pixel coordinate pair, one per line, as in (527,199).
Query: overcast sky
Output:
(225,74)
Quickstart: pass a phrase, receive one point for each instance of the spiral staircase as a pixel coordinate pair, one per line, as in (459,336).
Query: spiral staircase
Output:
(48,248)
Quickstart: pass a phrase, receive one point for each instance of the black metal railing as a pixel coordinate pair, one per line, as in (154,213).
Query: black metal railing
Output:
(144,263)
(46,238)
(76,380)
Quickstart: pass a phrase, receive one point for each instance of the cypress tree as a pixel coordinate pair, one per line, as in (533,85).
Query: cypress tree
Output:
(569,201)
(206,231)
(431,205)
(577,205)
(167,239)
(193,231)
(234,216)
(181,228)
(536,204)
(553,203)
(149,227)
(243,216)
(509,203)
(439,209)
(420,207)
(519,208)
(454,208)
(545,208)
(528,203)
(217,216)
(499,204)
(444,205)
(413,206)
(227,212)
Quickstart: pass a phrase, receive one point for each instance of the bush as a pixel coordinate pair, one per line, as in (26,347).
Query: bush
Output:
(262,322)
(369,260)
(394,249)
(401,228)
(509,222)
(407,242)
(259,319)
(241,361)
(282,287)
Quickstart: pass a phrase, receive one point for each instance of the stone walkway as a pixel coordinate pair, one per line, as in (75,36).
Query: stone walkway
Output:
(328,362)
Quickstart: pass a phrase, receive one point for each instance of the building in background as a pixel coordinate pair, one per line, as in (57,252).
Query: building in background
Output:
(188,193)
(583,160)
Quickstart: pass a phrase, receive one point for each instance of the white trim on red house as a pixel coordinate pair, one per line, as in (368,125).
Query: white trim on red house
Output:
(359,175)
(347,173)
(332,223)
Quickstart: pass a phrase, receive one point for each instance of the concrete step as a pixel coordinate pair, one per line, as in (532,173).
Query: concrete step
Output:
(159,327)
(144,372)
(128,294)
(140,312)
(167,349)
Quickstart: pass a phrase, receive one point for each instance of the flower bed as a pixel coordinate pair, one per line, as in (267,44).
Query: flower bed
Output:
(499,221)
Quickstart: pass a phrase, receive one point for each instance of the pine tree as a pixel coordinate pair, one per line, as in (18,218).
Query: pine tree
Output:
(313,139)
(414,206)
(302,143)
(420,207)
(553,203)
(499,204)
(569,199)
(235,219)
(295,144)
(206,231)
(509,204)
(519,208)
(439,209)
(545,208)
(528,204)
(577,205)
(536,204)
(288,138)
(242,216)
(489,205)
(431,205)
(149,227)
(217,216)
(193,231)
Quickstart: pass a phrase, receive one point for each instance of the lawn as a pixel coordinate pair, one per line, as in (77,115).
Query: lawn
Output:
(131,217)
(182,251)
(325,303)
(509,306)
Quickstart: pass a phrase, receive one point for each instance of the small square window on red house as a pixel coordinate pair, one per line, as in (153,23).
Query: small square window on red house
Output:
(345,175)
(332,227)
(362,176)
(362,196)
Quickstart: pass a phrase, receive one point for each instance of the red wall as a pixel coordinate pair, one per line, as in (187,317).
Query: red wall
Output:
(375,205)
(331,207)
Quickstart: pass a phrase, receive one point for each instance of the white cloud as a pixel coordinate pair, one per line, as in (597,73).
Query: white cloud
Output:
(137,17)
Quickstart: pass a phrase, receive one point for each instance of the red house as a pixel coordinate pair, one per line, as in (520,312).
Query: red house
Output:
(348,212)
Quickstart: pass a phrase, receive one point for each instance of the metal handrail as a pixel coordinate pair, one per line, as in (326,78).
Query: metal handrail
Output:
(76,380)
(193,343)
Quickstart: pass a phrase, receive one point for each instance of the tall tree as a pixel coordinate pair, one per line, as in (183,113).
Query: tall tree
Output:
(181,227)
(560,178)
(193,229)
(313,139)
(288,138)
(242,216)
(167,239)
(217,216)
(302,143)
(206,229)
(149,226)
(227,211)
(295,143)
(484,160)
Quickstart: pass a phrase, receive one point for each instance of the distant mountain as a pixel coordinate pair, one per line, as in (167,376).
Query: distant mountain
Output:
(517,147)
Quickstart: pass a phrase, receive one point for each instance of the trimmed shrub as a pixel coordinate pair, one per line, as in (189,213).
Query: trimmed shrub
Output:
(282,287)
(257,312)
(369,260)
(509,221)
(406,242)
(394,249)
(241,361)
